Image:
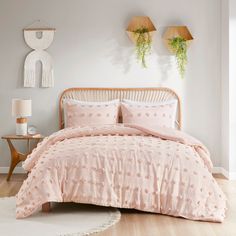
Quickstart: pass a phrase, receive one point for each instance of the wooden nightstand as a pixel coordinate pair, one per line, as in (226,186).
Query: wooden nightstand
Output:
(16,156)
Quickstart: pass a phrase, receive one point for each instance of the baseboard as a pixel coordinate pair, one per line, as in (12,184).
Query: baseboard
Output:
(232,175)
(17,170)
(216,170)
(224,172)
(220,170)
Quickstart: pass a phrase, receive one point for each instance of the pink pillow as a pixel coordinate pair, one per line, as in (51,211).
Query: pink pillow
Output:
(157,114)
(89,114)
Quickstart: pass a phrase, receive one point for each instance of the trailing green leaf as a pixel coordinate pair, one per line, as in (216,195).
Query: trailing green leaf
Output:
(143,44)
(179,47)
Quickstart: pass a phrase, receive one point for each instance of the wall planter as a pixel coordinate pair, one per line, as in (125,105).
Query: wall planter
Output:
(177,39)
(140,30)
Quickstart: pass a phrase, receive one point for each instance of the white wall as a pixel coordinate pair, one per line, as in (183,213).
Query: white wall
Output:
(232,86)
(228,33)
(91,49)
(225,84)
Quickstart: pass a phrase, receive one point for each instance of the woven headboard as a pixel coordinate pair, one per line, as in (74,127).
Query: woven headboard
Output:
(107,94)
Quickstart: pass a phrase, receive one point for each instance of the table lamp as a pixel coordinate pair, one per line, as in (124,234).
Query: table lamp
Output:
(21,109)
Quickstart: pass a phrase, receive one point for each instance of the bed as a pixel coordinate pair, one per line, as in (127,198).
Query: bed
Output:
(140,166)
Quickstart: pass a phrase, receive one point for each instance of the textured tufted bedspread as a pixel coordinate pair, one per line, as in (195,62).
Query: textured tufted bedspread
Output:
(128,166)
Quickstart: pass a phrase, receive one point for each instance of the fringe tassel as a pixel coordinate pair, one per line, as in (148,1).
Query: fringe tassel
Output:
(47,79)
(29,78)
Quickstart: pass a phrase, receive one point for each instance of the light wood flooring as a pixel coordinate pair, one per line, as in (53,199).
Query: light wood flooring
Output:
(134,223)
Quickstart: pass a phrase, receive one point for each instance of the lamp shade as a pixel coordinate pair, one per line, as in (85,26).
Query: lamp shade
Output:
(21,107)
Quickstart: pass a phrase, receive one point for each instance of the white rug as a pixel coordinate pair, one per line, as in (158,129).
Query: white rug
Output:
(66,219)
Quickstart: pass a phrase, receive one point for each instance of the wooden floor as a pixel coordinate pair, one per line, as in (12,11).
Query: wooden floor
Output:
(134,223)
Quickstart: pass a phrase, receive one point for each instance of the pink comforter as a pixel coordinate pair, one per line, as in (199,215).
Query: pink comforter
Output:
(127,166)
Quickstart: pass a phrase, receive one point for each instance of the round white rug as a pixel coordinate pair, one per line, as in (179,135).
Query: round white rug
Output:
(65,219)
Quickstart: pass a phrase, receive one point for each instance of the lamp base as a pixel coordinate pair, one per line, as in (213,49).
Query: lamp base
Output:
(21,126)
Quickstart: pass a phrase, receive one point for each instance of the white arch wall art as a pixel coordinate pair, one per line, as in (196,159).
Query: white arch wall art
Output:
(39,45)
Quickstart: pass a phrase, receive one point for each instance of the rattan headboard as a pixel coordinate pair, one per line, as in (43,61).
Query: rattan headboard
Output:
(106,94)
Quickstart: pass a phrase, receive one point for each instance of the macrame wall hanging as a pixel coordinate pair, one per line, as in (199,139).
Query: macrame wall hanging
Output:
(39,39)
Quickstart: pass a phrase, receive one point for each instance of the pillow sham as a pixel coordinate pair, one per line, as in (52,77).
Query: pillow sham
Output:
(162,114)
(80,113)
(148,103)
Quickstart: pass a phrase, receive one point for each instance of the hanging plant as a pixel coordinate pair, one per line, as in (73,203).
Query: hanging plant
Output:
(143,44)
(179,47)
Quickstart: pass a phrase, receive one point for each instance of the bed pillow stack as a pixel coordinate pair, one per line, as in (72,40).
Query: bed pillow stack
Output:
(161,114)
(80,113)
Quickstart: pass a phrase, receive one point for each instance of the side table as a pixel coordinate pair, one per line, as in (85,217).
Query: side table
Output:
(17,156)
